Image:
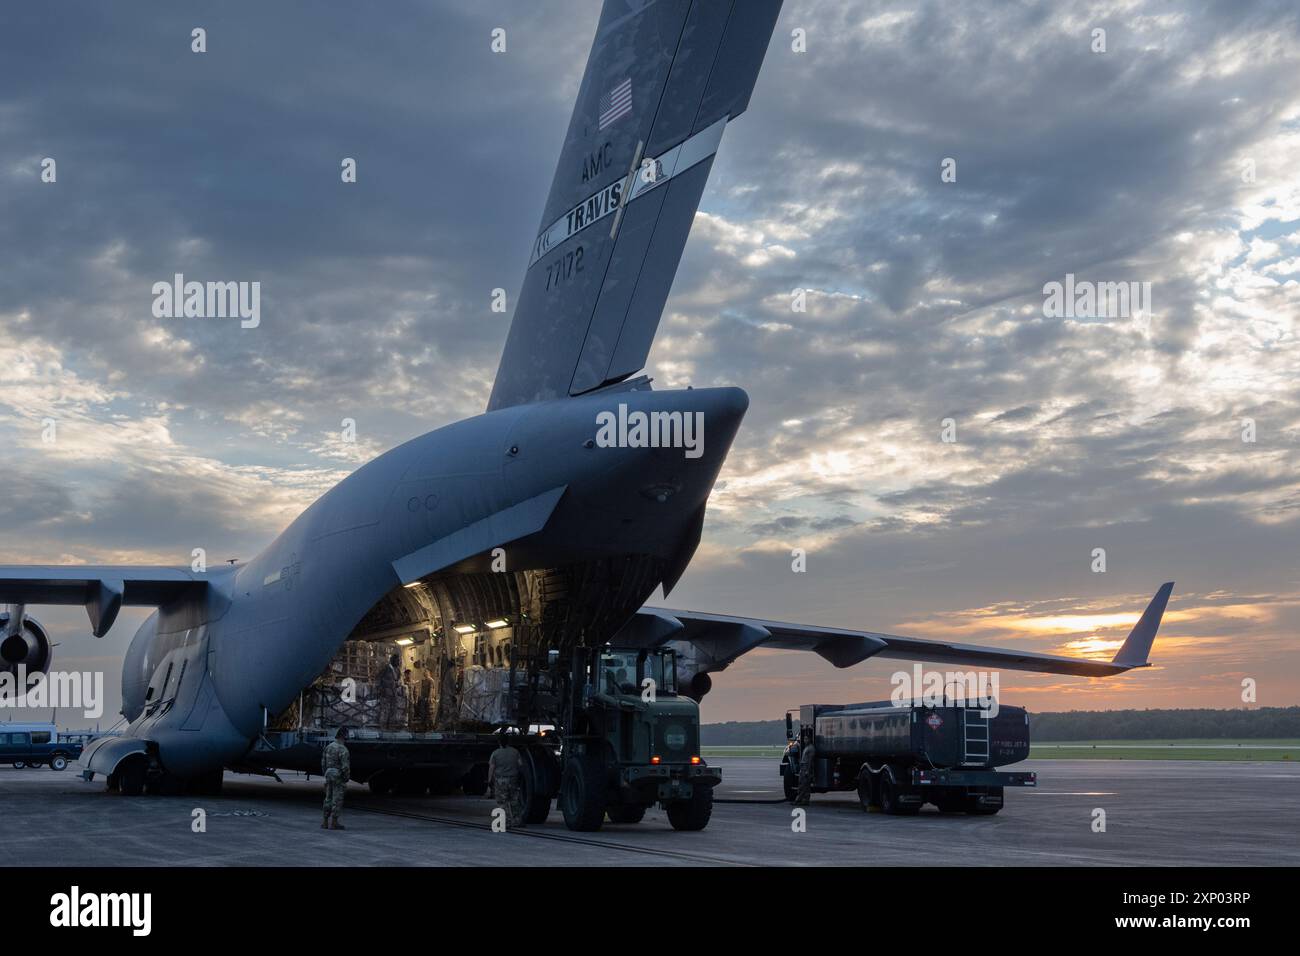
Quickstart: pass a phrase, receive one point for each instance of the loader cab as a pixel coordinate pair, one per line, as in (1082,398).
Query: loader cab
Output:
(624,671)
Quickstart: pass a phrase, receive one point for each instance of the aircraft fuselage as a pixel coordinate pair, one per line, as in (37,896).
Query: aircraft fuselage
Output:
(200,678)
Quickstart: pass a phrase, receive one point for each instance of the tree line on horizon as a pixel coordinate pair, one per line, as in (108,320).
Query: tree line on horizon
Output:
(1241,724)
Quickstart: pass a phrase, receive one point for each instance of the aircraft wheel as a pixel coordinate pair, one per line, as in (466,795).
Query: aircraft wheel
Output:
(626,814)
(164,785)
(582,793)
(694,812)
(131,778)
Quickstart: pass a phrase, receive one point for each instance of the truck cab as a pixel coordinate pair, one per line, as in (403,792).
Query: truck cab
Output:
(632,741)
(35,745)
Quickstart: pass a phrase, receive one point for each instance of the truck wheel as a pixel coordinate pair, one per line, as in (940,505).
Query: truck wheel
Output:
(790,784)
(58,762)
(692,814)
(626,814)
(867,791)
(973,805)
(538,782)
(582,793)
(19,764)
(381,784)
(889,799)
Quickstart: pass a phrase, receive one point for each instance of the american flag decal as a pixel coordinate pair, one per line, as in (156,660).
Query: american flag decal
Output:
(616,104)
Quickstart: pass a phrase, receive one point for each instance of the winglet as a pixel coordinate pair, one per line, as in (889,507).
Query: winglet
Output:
(1138,643)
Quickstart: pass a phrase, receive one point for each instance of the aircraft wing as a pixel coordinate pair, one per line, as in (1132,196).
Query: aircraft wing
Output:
(102,589)
(718,639)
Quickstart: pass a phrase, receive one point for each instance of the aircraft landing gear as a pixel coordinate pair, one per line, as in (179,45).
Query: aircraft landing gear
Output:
(131,777)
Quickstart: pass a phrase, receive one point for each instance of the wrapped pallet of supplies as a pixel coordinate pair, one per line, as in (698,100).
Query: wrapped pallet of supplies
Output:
(483,697)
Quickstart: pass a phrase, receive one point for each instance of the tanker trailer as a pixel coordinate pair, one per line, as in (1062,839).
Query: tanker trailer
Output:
(900,757)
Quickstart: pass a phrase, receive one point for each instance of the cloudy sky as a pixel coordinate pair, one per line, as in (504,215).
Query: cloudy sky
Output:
(1172,158)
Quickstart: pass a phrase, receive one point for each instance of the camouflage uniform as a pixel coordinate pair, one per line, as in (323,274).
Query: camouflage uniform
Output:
(424,695)
(503,768)
(807,754)
(336,765)
(390,692)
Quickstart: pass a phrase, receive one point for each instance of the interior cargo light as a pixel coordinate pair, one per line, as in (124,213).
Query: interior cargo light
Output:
(404,641)
(695,760)
(498,623)
(654,760)
(463,628)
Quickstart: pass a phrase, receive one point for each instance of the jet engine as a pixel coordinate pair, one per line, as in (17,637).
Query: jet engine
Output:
(23,642)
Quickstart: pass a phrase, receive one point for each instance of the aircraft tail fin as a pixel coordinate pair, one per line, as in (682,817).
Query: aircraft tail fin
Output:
(1136,647)
(662,80)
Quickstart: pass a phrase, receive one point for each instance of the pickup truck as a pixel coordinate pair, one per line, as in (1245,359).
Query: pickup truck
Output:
(32,745)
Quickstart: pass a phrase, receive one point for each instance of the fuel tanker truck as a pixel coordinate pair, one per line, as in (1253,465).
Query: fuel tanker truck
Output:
(900,757)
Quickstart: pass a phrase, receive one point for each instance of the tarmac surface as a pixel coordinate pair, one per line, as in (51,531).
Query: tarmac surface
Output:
(1158,813)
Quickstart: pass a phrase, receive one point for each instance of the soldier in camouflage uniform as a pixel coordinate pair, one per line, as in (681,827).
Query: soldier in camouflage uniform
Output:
(503,778)
(336,765)
(807,754)
(390,693)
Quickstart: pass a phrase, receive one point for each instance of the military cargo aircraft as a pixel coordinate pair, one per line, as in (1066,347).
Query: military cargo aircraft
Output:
(541,525)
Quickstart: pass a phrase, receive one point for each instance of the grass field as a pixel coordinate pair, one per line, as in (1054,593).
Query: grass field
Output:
(1106,750)
(1167,750)
(759,750)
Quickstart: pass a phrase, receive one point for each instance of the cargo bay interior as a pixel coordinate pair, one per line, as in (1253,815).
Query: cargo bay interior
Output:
(471,647)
